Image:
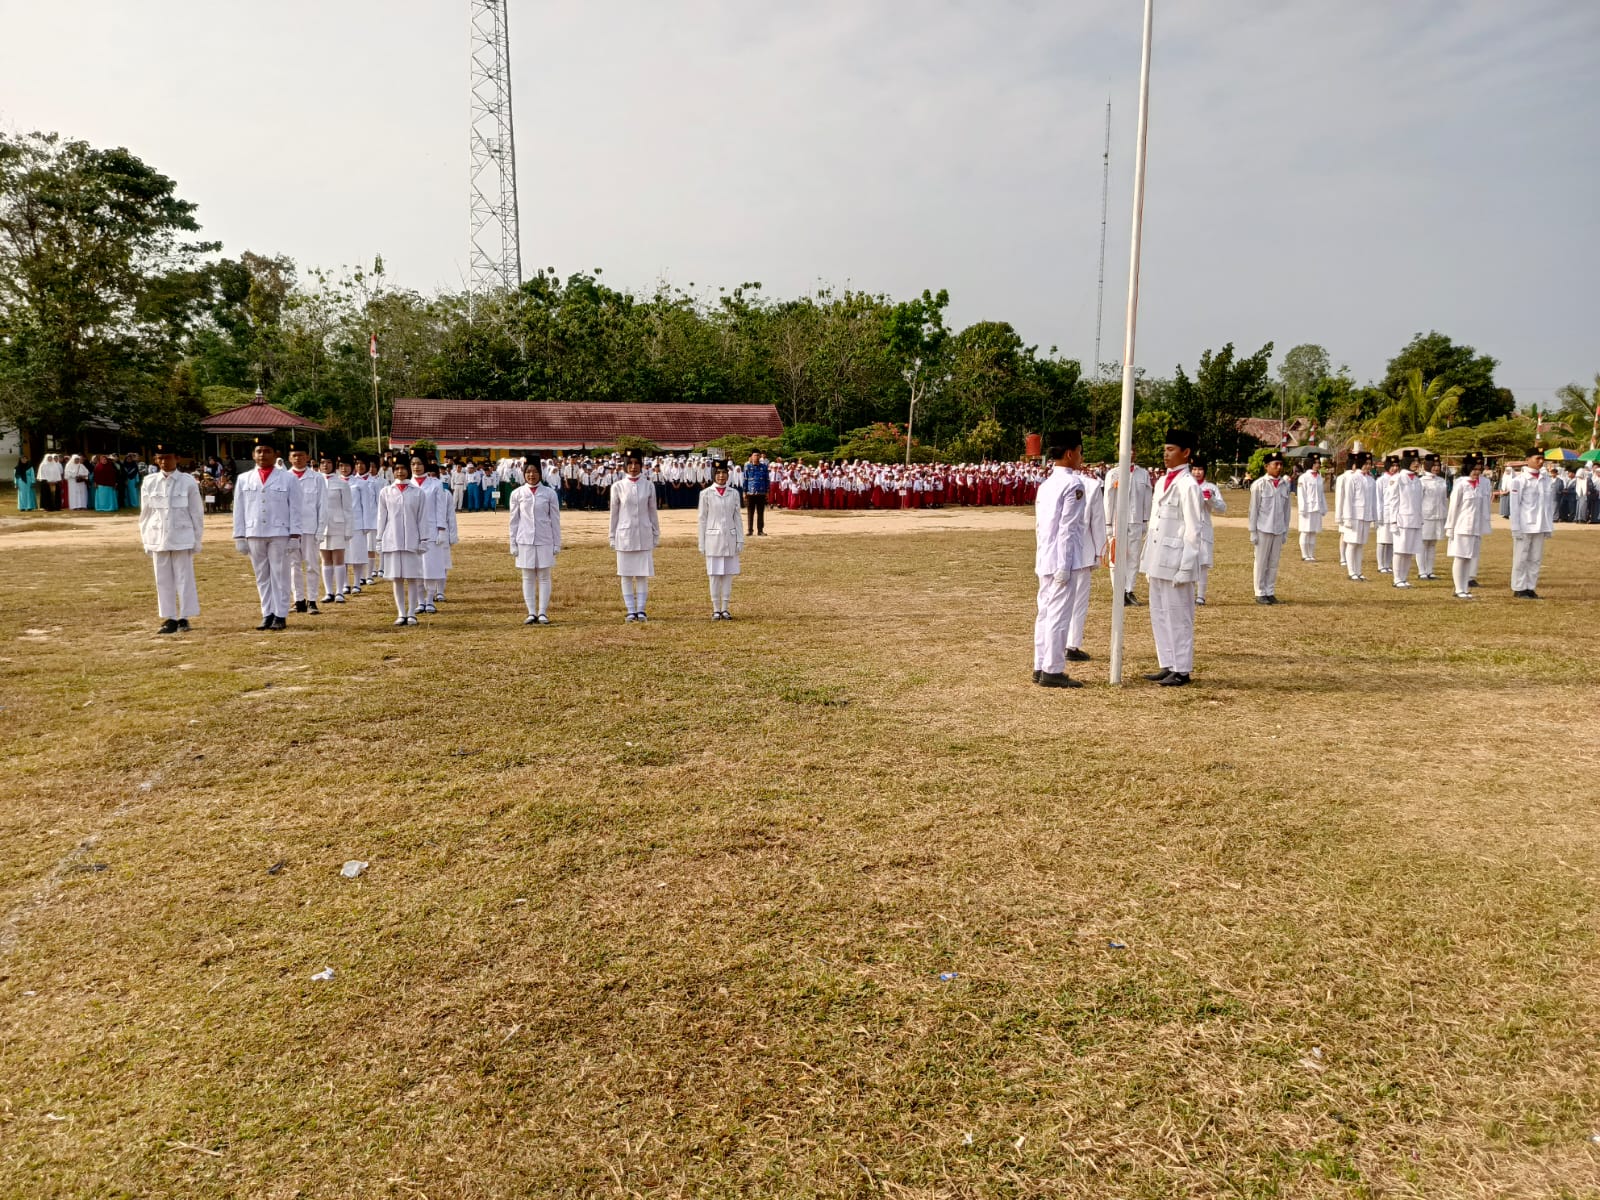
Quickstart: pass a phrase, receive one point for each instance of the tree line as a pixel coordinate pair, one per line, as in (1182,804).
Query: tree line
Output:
(116,314)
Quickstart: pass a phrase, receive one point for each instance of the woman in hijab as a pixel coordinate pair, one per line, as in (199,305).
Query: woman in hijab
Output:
(50,476)
(107,483)
(23,476)
(77,480)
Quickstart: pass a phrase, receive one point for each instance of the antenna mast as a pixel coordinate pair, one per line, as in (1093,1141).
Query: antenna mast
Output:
(494,238)
(1105,196)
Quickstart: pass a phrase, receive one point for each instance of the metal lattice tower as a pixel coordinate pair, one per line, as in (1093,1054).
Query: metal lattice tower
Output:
(495,248)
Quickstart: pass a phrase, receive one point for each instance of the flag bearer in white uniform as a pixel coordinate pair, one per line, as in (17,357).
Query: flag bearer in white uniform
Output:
(721,537)
(1355,507)
(171,524)
(1211,501)
(1466,521)
(304,562)
(1435,502)
(1405,519)
(1139,499)
(1533,512)
(363,550)
(405,520)
(355,549)
(1060,508)
(535,536)
(1269,526)
(635,534)
(1311,502)
(1172,561)
(333,536)
(1488,499)
(1384,521)
(266,526)
(1088,553)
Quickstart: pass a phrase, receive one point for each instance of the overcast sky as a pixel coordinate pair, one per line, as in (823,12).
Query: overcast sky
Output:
(1340,171)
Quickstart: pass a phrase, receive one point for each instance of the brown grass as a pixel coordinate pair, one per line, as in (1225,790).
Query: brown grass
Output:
(663,911)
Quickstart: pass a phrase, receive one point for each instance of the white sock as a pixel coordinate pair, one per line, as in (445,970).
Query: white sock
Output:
(400,609)
(727,590)
(716,593)
(641,588)
(327,579)
(627,594)
(1352,557)
(530,590)
(544,574)
(341,578)
(1461,572)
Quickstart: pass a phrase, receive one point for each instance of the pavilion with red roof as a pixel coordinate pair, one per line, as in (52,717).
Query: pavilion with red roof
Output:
(239,427)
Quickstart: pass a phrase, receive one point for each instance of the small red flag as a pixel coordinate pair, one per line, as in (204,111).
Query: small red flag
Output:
(372,349)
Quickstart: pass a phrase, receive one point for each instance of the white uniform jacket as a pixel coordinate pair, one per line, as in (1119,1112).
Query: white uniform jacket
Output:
(1405,500)
(364,501)
(1467,515)
(171,513)
(310,493)
(1211,501)
(1309,496)
(1139,498)
(1533,502)
(1355,498)
(634,523)
(338,518)
(535,517)
(405,520)
(266,508)
(1435,500)
(721,523)
(1172,547)
(1269,506)
(1051,530)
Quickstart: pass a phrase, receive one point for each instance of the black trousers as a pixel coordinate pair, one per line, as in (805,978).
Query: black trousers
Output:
(755,514)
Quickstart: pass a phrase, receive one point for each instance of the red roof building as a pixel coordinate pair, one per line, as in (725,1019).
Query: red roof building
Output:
(488,425)
(257,417)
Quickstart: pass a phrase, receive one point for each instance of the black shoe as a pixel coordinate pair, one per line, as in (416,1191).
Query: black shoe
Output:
(1077,656)
(311,606)
(1472,583)
(1130,600)
(267,623)
(1158,676)
(1176,679)
(1038,675)
(1051,680)
(168,626)
(1263,599)
(531,621)
(1532,595)
(280,623)
(1272,599)
(183,624)
(299,606)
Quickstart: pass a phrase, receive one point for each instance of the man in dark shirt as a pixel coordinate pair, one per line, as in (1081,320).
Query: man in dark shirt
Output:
(756,480)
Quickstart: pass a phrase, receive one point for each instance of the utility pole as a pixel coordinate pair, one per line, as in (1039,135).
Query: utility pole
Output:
(494,236)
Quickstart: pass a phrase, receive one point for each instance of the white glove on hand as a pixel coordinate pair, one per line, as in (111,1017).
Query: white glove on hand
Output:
(242,546)
(1061,579)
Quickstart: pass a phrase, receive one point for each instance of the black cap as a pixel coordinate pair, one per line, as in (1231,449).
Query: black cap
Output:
(1182,438)
(267,442)
(633,456)
(1275,457)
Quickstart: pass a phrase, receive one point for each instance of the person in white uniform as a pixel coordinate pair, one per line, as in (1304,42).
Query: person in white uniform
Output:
(333,535)
(535,536)
(1060,509)
(405,522)
(1211,502)
(1466,521)
(1405,519)
(304,563)
(171,526)
(635,534)
(1311,504)
(1269,526)
(1089,552)
(721,537)
(1533,512)
(355,550)
(1355,508)
(436,559)
(1435,502)
(1139,500)
(1383,522)
(267,527)
(1172,561)
(365,484)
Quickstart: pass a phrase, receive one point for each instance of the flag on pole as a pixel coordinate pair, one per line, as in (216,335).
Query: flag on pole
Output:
(372,349)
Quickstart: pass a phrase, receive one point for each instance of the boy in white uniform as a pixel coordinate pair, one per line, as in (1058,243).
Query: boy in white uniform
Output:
(171,525)
(1171,561)
(1355,506)
(309,494)
(1060,512)
(1139,501)
(1211,501)
(1269,526)
(1533,511)
(267,527)
(1435,503)
(1405,519)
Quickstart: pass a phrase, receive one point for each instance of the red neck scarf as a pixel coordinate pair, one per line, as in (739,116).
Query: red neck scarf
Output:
(1167,482)
(264,472)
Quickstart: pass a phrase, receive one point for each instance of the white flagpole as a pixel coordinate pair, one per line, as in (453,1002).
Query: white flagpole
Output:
(1125,435)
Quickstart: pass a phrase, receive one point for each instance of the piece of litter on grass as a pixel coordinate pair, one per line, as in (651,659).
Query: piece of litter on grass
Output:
(1116,945)
(49,1116)
(277,866)
(147,785)
(323,975)
(966,1139)
(30,992)
(1017,1145)
(949,975)
(87,868)
(520,900)
(1311,1064)
(1316,1052)
(1595,1138)
(353,868)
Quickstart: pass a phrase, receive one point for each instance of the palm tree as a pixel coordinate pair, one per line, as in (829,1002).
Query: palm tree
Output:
(1420,410)
(1578,409)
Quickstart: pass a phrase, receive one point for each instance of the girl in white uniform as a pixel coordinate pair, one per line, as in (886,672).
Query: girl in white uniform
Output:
(404,526)
(1466,520)
(535,535)
(635,534)
(721,538)
(1211,501)
(333,538)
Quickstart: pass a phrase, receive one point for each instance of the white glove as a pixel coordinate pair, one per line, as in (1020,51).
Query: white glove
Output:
(242,546)
(1252,539)
(1061,579)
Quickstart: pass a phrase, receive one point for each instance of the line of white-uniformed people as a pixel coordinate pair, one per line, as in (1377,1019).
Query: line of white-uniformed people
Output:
(333,531)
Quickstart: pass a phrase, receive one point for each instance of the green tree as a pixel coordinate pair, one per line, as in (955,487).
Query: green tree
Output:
(98,286)
(1420,411)
(1576,408)
(1437,357)
(916,335)
(1225,389)
(1303,370)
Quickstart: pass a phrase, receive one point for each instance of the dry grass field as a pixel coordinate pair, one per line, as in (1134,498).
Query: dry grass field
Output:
(828,901)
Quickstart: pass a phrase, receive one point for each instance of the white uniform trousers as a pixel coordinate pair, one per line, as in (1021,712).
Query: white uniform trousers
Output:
(269,557)
(1050,625)
(305,570)
(1077,606)
(1172,623)
(176,596)
(1527,556)
(1269,549)
(1127,567)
